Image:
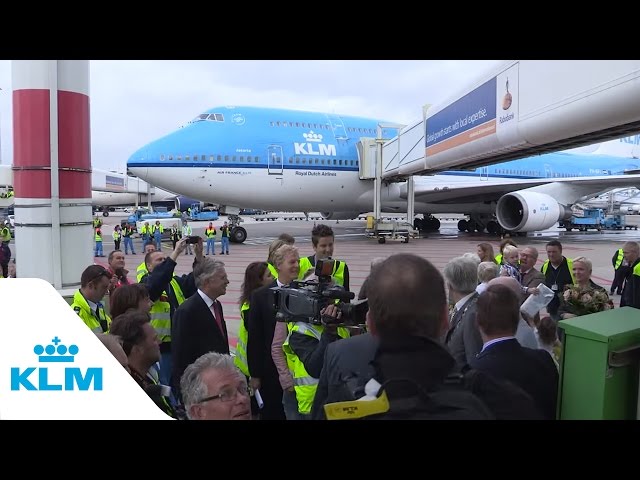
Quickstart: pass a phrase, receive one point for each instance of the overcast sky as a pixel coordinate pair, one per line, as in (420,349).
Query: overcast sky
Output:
(135,102)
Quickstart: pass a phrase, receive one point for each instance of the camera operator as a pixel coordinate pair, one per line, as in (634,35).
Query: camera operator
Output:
(261,324)
(305,349)
(323,241)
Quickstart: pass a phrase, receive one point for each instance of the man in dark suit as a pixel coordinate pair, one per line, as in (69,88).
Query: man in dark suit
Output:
(198,324)
(463,337)
(504,358)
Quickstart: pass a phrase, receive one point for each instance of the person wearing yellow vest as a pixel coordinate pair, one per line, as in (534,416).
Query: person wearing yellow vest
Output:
(127,235)
(283,239)
(87,301)
(305,348)
(621,269)
(558,272)
(145,233)
(141,271)
(631,291)
(261,330)
(210,235)
(5,251)
(167,292)
(186,232)
(141,345)
(98,239)
(322,239)
(157,229)
(117,236)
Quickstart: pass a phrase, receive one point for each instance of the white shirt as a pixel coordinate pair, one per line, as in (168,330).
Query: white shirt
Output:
(495,340)
(92,305)
(206,298)
(460,303)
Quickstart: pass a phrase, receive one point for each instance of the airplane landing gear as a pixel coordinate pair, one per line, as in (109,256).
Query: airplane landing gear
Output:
(238,233)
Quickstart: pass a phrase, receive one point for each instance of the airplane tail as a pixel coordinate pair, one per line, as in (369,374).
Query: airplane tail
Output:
(625,147)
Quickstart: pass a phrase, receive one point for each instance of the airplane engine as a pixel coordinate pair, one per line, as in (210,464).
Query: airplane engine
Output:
(182,203)
(529,211)
(339,215)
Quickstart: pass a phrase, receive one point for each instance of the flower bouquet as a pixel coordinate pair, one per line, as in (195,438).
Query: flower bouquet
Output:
(586,301)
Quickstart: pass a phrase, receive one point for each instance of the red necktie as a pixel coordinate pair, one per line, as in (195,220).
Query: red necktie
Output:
(217,314)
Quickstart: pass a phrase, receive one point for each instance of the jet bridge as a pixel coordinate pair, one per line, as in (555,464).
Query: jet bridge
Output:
(522,108)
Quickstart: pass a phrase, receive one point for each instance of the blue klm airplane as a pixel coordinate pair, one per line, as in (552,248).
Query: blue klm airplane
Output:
(274,159)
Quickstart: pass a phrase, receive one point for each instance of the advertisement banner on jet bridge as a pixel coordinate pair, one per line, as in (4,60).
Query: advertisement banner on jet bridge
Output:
(468,119)
(114,183)
(507,106)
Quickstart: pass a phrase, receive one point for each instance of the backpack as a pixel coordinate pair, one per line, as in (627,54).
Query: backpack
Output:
(451,400)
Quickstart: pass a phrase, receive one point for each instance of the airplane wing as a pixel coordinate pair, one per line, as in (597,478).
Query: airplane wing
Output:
(440,189)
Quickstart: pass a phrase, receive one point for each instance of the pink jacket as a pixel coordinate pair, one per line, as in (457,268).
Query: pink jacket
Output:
(279,358)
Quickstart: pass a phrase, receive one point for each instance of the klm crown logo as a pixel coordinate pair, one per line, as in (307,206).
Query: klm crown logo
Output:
(314,146)
(56,353)
(312,137)
(58,348)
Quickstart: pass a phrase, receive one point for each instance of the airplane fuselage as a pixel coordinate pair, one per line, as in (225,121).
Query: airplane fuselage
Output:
(293,160)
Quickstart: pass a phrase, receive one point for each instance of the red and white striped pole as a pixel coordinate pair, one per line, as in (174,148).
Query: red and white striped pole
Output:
(52,170)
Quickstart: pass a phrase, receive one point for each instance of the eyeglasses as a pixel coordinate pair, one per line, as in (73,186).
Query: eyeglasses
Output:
(229,394)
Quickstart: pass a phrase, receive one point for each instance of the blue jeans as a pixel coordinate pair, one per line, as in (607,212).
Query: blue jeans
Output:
(165,368)
(225,245)
(99,249)
(145,239)
(211,242)
(157,238)
(128,243)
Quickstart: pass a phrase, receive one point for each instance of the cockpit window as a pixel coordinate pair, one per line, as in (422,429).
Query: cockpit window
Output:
(216,117)
(201,117)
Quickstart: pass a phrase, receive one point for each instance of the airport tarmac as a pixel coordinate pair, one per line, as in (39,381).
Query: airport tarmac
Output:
(357,250)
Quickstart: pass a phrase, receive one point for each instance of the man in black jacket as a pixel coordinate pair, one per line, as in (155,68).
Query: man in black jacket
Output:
(198,323)
(534,371)
(631,292)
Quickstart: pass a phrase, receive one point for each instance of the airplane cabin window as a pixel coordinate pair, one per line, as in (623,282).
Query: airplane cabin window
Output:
(339,162)
(179,158)
(304,161)
(203,157)
(211,158)
(170,157)
(297,124)
(234,159)
(219,117)
(187,158)
(241,159)
(291,124)
(297,161)
(290,160)
(277,123)
(226,158)
(256,159)
(317,161)
(161,157)
(271,123)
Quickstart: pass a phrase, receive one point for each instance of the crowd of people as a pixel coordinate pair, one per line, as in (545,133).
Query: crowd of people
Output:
(450,345)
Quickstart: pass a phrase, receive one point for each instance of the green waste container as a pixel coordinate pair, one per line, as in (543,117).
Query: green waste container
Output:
(599,366)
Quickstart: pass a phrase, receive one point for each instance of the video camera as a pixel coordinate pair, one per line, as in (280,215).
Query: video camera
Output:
(302,301)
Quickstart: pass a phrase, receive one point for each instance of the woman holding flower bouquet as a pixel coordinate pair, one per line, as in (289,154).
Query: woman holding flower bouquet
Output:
(585,296)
